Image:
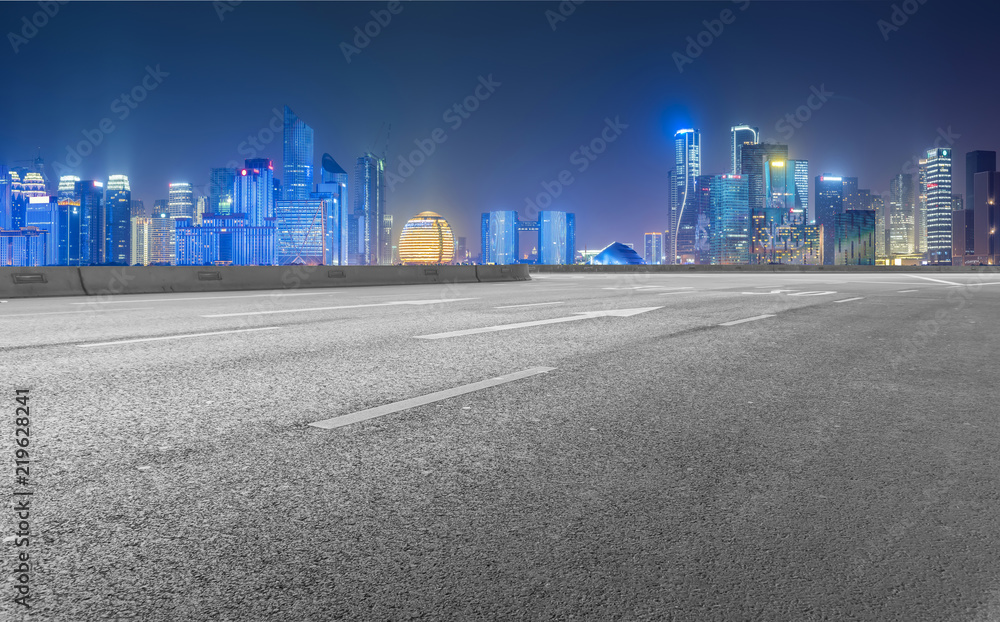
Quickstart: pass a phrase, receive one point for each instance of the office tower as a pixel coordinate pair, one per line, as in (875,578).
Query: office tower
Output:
(461,254)
(298,157)
(333,187)
(976,162)
(180,201)
(385,256)
(500,238)
(852,197)
(696,228)
(741,135)
(276,189)
(94,224)
(653,246)
(32,185)
(118,219)
(985,207)
(900,223)
(776,229)
(254,195)
(669,246)
(829,203)
(195,245)
(800,173)
(160,206)
(730,213)
(140,240)
(221,186)
(687,162)
(4,198)
(138,208)
(920,209)
(369,206)
(426,239)
(963,241)
(752,166)
(18,202)
(303,233)
(70,221)
(24,247)
(939,216)
(200,208)
(881,227)
(162,236)
(553,238)
(42,214)
(854,238)
(570,238)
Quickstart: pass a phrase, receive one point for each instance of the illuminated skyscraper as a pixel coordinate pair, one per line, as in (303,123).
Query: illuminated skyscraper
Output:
(985,217)
(500,238)
(556,244)
(94,226)
(741,135)
(298,158)
(43,214)
(976,162)
(140,240)
(777,229)
(800,173)
(920,209)
(302,231)
(385,255)
(369,207)
(730,210)
(4,198)
(118,217)
(254,194)
(939,234)
(162,235)
(684,217)
(333,187)
(854,238)
(752,166)
(180,201)
(138,208)
(900,224)
(829,203)
(653,248)
(221,186)
(881,227)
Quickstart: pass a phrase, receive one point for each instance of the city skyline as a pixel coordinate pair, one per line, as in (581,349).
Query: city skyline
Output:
(527,141)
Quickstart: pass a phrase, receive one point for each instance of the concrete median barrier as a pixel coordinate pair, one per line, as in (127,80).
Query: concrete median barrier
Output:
(36,282)
(517,272)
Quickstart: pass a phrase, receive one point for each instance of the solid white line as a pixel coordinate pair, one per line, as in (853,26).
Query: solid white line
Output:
(907,291)
(850,299)
(374,304)
(220,332)
(749,319)
(128,300)
(387,409)
(80,312)
(534,304)
(927,278)
(579,315)
(688,291)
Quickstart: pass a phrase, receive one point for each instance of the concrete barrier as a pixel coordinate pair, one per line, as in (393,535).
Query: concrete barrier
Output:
(34,282)
(518,272)
(755,268)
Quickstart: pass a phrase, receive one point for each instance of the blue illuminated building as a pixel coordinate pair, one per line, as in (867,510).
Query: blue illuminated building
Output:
(42,213)
(298,158)
(92,226)
(195,245)
(617,254)
(500,231)
(333,187)
(221,185)
(118,221)
(254,194)
(729,206)
(23,247)
(854,238)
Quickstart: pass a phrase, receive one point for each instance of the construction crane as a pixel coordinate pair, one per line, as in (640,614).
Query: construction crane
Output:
(385,150)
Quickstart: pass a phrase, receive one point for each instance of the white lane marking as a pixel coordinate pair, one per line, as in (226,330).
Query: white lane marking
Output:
(362,306)
(585,315)
(773,291)
(850,299)
(689,291)
(927,278)
(812,294)
(129,300)
(218,332)
(748,319)
(907,291)
(80,312)
(379,411)
(534,304)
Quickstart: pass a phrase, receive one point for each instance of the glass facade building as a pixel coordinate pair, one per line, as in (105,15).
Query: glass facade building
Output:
(554,247)
(854,238)
(829,203)
(118,215)
(180,200)
(21,248)
(730,211)
(298,158)
(369,207)
(93,229)
(221,186)
(140,240)
(304,231)
(741,135)
(900,223)
(254,194)
(653,248)
(938,185)
(43,214)
(683,212)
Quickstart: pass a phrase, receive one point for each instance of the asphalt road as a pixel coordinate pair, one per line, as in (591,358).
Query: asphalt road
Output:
(833,458)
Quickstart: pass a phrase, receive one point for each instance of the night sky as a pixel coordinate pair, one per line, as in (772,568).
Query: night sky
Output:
(605,60)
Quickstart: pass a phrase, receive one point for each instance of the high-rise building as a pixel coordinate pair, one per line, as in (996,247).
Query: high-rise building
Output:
(221,186)
(369,206)
(94,223)
(385,256)
(976,162)
(800,173)
(180,201)
(752,166)
(70,221)
(653,246)
(740,135)
(254,192)
(140,240)
(18,200)
(854,238)
(669,243)
(776,234)
(462,252)
(333,187)
(939,216)
(986,215)
(555,245)
(900,224)
(298,158)
(500,238)
(303,230)
(162,235)
(118,216)
(4,197)
(138,208)
(43,215)
(195,245)
(881,227)
(730,211)
(829,203)
(684,215)
(24,247)
(160,206)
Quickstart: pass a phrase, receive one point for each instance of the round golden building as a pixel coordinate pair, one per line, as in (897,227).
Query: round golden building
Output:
(426,239)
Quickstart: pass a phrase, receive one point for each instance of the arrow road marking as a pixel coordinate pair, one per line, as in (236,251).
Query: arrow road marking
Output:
(585,315)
